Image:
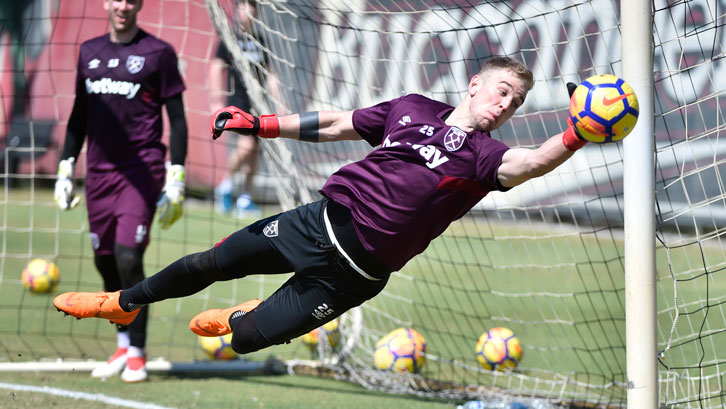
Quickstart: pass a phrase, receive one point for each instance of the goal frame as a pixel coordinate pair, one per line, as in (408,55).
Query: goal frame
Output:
(636,19)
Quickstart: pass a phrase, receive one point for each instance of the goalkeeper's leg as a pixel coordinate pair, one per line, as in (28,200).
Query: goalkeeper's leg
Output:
(325,284)
(309,299)
(252,254)
(188,275)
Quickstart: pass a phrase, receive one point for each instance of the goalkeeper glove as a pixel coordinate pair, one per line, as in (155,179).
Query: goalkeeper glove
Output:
(234,119)
(571,138)
(63,194)
(170,201)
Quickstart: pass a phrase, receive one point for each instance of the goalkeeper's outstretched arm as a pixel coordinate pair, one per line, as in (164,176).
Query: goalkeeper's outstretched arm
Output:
(319,126)
(315,126)
(519,165)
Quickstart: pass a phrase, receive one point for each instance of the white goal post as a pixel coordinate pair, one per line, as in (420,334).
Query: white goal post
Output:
(639,185)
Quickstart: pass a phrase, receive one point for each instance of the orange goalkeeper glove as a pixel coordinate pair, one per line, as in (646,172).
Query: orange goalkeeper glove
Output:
(570,138)
(234,119)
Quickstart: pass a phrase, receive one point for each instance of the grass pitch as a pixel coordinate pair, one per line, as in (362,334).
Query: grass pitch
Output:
(562,293)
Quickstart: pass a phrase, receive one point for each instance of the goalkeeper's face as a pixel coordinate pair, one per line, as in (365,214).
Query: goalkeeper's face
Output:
(494,96)
(122,14)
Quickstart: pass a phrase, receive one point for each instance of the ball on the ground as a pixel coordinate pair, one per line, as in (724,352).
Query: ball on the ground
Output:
(40,276)
(604,109)
(329,331)
(218,348)
(401,350)
(500,349)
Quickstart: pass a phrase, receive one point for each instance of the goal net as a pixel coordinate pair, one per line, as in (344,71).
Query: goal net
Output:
(544,259)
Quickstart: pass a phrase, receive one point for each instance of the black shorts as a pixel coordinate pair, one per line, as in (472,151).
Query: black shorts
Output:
(324,285)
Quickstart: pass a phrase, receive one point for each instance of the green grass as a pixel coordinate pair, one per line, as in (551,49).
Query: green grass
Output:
(285,391)
(561,290)
(32,329)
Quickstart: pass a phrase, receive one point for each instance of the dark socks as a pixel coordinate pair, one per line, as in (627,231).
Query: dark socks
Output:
(235,317)
(186,276)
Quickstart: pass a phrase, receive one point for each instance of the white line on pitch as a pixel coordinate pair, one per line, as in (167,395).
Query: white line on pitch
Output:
(96,397)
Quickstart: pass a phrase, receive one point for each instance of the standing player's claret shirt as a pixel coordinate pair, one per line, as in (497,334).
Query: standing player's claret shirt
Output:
(143,74)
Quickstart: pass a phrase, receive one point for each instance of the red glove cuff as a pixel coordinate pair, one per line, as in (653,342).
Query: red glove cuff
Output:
(571,141)
(269,126)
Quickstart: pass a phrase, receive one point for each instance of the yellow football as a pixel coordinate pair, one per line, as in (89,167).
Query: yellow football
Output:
(40,276)
(401,350)
(499,349)
(604,109)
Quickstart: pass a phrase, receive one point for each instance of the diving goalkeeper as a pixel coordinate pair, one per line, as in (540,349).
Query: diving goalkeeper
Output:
(433,163)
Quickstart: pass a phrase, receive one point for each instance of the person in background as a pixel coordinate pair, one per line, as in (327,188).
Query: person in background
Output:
(123,80)
(227,87)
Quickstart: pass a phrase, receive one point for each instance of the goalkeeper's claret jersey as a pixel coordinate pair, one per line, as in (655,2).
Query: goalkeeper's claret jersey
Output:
(124,86)
(424,175)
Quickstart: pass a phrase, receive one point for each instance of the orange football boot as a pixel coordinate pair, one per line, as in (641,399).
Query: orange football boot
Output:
(100,305)
(212,323)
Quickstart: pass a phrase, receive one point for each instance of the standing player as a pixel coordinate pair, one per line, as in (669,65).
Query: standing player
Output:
(227,87)
(123,79)
(434,163)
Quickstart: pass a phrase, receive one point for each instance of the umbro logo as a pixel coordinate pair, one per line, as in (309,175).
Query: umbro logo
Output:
(405,120)
(271,229)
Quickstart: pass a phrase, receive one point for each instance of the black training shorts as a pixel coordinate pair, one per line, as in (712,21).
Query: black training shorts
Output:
(324,285)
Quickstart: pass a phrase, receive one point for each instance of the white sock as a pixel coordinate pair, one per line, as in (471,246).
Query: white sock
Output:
(225,186)
(135,352)
(244,200)
(122,339)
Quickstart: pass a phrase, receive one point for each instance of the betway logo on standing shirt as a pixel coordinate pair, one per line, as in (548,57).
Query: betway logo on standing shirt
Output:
(109,86)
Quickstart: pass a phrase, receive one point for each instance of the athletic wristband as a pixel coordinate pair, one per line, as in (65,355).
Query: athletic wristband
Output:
(571,141)
(310,126)
(269,126)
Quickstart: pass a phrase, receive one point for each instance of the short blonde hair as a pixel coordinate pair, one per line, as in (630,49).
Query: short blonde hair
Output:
(509,64)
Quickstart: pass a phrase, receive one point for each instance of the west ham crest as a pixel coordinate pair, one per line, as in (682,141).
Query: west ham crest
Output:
(454,139)
(134,63)
(271,229)
(95,240)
